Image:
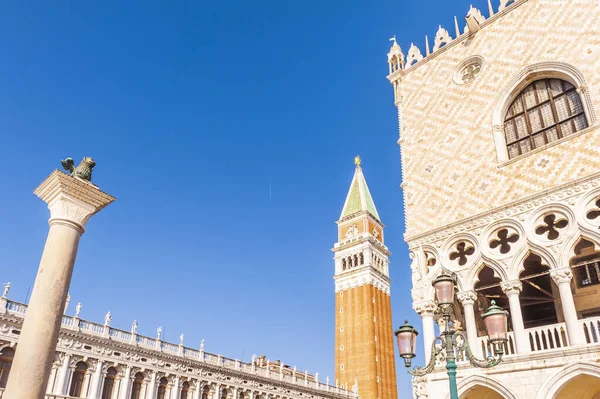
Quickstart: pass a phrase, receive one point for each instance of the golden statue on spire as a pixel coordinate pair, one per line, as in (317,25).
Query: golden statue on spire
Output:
(357,161)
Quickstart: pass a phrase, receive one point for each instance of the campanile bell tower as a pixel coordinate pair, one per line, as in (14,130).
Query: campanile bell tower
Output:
(364,353)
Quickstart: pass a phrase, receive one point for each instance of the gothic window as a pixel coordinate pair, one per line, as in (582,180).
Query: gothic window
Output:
(162,389)
(6,359)
(109,383)
(136,390)
(77,380)
(545,111)
(185,388)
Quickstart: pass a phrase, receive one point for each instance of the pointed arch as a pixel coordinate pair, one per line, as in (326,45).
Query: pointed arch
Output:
(482,380)
(551,387)
(472,275)
(568,250)
(518,262)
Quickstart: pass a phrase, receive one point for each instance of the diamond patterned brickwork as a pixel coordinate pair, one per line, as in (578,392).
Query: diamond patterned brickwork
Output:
(451,170)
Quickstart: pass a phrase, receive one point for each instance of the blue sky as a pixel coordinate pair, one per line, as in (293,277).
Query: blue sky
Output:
(227,132)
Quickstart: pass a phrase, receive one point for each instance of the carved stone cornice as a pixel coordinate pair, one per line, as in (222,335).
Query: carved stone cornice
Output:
(562,276)
(513,287)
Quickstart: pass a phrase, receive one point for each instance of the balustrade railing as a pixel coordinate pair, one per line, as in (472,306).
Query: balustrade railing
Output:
(547,337)
(591,329)
(88,327)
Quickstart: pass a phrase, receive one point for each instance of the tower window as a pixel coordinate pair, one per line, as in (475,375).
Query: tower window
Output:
(545,111)
(341,310)
(342,366)
(341,347)
(341,293)
(341,328)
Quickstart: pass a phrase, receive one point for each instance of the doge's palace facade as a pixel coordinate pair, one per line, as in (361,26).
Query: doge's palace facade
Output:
(500,149)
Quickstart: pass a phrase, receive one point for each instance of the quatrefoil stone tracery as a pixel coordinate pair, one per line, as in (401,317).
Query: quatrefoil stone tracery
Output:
(462,252)
(595,212)
(503,241)
(551,226)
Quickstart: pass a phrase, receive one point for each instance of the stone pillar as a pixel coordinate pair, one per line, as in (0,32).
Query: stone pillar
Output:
(216,394)
(562,278)
(96,382)
(175,392)
(60,387)
(72,202)
(152,386)
(124,390)
(198,390)
(426,310)
(467,299)
(512,289)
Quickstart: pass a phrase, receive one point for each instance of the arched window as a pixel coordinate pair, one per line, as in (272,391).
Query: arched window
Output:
(162,388)
(109,383)
(136,389)
(545,111)
(205,392)
(224,394)
(343,264)
(6,359)
(185,388)
(77,380)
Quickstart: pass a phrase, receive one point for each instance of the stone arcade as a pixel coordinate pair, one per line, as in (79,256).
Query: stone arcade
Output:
(500,147)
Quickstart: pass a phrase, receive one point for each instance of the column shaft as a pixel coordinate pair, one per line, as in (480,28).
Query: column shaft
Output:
(428,333)
(124,391)
(175,392)
(516,317)
(34,355)
(152,386)
(471,328)
(60,386)
(574,331)
(95,384)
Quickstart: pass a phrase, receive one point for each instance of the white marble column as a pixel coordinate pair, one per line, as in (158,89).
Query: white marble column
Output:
(60,387)
(512,289)
(96,382)
(175,390)
(124,390)
(426,310)
(467,299)
(71,202)
(562,278)
(217,392)
(198,390)
(152,386)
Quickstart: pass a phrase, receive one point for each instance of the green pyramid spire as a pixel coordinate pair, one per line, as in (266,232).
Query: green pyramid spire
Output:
(359,197)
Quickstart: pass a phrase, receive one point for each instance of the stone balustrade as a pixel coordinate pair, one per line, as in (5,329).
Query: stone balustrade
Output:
(83,340)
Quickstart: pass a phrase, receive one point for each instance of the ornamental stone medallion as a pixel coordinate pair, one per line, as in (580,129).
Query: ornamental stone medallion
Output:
(468,70)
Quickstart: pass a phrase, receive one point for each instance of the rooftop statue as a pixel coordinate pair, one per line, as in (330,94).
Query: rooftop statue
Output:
(83,171)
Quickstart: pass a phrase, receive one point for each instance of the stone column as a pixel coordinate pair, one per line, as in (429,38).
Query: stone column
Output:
(562,278)
(124,390)
(512,289)
(72,202)
(60,387)
(217,392)
(426,310)
(467,299)
(198,390)
(96,382)
(152,386)
(175,389)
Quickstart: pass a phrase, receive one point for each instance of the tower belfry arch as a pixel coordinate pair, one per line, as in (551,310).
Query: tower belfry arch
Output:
(364,345)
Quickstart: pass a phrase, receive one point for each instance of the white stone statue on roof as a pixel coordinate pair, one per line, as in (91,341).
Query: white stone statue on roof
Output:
(202,346)
(134,327)
(6,288)
(181,340)
(159,332)
(78,309)
(107,319)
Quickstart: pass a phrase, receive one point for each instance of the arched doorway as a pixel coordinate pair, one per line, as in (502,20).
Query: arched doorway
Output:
(481,392)
(6,359)
(109,383)
(77,380)
(583,386)
(136,389)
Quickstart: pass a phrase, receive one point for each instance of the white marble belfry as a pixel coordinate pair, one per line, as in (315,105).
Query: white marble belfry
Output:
(72,202)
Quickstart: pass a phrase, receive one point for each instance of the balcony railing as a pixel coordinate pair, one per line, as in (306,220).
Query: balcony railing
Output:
(541,338)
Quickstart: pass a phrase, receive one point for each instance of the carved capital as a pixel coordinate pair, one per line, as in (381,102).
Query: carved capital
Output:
(426,308)
(71,199)
(562,276)
(467,297)
(513,287)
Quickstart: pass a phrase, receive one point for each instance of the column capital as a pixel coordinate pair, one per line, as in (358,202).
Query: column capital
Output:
(71,199)
(426,308)
(467,297)
(513,287)
(562,276)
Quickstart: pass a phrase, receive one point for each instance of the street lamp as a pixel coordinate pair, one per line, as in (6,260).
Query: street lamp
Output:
(450,340)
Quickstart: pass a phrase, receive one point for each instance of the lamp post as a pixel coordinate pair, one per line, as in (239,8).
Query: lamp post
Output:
(451,341)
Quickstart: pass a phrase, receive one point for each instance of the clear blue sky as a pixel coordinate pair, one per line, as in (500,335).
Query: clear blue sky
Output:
(192,110)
